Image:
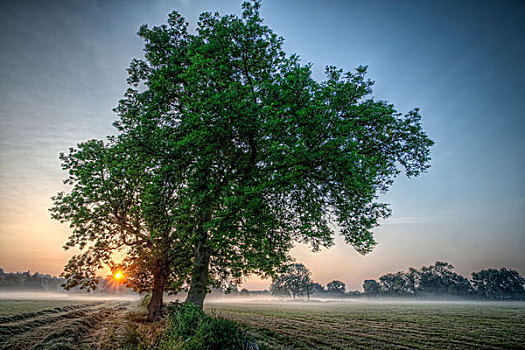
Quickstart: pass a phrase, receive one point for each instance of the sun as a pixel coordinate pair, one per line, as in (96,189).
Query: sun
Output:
(118,276)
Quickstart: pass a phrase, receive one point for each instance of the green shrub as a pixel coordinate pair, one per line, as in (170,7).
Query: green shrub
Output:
(217,333)
(185,319)
(189,324)
(132,339)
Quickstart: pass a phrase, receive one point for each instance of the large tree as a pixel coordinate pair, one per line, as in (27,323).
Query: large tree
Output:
(119,205)
(257,154)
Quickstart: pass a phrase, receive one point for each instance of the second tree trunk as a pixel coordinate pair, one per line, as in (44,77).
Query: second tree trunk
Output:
(199,277)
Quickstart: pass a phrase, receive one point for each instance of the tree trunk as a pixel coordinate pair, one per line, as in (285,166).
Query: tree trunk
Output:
(199,276)
(155,304)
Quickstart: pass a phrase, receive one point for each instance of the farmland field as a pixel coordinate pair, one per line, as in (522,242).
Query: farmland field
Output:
(101,324)
(57,324)
(369,325)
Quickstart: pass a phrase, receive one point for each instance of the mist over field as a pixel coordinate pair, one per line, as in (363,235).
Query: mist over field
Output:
(25,295)
(262,299)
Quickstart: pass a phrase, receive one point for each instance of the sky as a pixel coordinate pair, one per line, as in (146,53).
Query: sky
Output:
(63,69)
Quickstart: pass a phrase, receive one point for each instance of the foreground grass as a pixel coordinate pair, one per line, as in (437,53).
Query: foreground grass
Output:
(56,324)
(133,331)
(77,325)
(62,324)
(10,308)
(358,325)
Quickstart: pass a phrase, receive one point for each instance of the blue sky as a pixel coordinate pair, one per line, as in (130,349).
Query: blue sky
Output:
(62,70)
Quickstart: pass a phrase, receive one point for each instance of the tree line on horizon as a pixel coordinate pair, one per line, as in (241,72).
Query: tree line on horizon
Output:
(295,280)
(37,282)
(438,280)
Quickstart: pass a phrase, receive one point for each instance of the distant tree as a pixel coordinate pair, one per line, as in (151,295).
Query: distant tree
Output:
(354,293)
(52,283)
(278,287)
(412,278)
(294,281)
(317,288)
(499,284)
(396,284)
(440,279)
(336,287)
(309,289)
(244,292)
(33,282)
(371,287)
(26,281)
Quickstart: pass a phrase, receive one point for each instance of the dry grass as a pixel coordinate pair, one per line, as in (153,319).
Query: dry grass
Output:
(53,325)
(66,324)
(137,332)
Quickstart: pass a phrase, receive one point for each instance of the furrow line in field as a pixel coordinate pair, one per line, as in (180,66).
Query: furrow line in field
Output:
(20,317)
(72,334)
(310,336)
(371,334)
(402,332)
(62,331)
(443,327)
(27,325)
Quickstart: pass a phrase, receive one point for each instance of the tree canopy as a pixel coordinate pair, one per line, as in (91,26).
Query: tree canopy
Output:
(295,280)
(441,280)
(227,153)
(336,287)
(118,205)
(499,284)
(371,287)
(432,280)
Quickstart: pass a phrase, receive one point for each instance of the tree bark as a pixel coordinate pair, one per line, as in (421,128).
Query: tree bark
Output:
(155,304)
(199,276)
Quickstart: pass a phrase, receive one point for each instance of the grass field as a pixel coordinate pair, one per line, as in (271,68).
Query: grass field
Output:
(17,308)
(56,324)
(362,325)
(91,324)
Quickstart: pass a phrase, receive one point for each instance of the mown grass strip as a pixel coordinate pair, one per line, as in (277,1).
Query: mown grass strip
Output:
(23,316)
(55,331)
(353,326)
